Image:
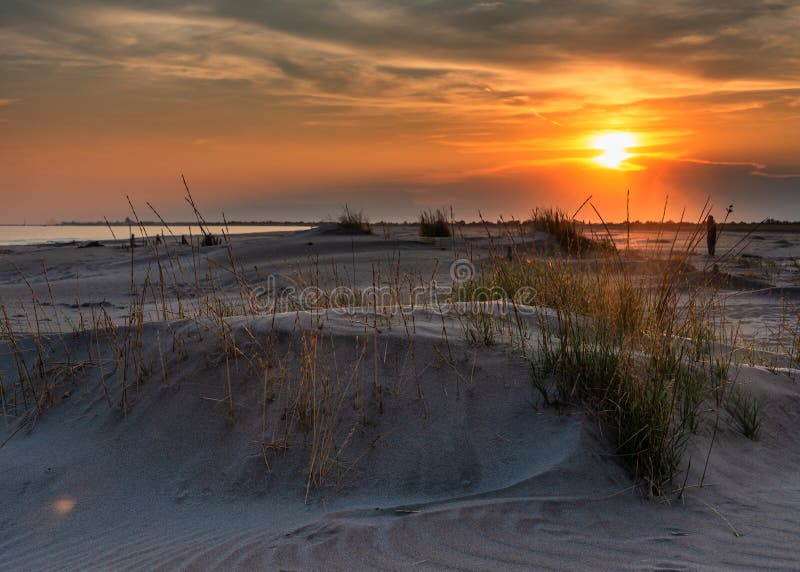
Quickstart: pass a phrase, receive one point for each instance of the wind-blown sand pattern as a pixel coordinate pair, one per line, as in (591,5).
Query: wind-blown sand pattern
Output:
(326,439)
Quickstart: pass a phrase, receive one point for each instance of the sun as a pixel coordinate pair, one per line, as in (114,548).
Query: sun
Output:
(614,147)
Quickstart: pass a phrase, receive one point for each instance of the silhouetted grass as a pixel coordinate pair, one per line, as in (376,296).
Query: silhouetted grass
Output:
(354,221)
(565,231)
(433,223)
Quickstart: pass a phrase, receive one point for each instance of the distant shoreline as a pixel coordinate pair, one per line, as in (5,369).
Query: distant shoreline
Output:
(767,226)
(774,226)
(174,223)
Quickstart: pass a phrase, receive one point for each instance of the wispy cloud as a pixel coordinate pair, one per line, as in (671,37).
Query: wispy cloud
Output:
(449,86)
(755,169)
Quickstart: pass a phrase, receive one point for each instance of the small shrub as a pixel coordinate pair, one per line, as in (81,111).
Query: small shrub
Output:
(210,239)
(433,223)
(354,221)
(745,412)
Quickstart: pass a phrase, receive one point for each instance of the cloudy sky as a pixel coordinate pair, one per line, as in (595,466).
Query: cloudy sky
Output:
(286,109)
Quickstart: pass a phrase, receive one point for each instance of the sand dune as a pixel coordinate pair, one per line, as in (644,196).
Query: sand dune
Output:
(438,453)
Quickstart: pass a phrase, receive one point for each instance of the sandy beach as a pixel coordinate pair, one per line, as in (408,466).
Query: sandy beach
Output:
(419,285)
(353,436)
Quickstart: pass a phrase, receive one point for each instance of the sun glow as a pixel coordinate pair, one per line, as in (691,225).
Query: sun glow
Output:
(614,147)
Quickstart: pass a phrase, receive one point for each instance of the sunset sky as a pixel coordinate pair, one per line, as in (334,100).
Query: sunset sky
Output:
(288,109)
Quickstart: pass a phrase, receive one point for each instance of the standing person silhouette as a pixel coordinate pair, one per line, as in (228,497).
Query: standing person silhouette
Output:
(711,235)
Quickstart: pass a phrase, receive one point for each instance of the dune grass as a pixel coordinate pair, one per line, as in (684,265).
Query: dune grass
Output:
(565,230)
(354,221)
(639,350)
(434,223)
(745,413)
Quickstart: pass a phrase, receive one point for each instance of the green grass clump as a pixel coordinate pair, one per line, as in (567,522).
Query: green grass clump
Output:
(745,413)
(433,223)
(354,221)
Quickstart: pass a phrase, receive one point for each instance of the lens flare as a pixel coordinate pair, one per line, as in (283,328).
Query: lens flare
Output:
(64,505)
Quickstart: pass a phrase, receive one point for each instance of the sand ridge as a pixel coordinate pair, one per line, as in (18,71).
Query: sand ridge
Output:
(443,457)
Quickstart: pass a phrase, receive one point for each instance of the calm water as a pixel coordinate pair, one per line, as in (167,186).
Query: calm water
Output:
(22,235)
(766,245)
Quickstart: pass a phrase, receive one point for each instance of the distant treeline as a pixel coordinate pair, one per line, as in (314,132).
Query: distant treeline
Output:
(127,222)
(766,225)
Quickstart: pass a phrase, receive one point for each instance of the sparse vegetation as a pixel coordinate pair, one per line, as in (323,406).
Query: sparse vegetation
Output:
(634,349)
(745,412)
(434,223)
(210,239)
(566,232)
(354,221)
(479,326)
(640,351)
